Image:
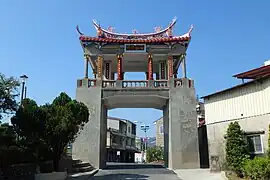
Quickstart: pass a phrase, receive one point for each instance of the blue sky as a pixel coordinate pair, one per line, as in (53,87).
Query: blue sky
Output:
(38,38)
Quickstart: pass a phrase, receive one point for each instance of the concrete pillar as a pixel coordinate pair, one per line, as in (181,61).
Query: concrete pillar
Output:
(183,134)
(90,144)
(166,134)
(86,64)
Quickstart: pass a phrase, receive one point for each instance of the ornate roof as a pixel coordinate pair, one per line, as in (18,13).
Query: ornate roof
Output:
(159,36)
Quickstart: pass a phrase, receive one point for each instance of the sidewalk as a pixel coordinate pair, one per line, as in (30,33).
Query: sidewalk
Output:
(82,176)
(201,174)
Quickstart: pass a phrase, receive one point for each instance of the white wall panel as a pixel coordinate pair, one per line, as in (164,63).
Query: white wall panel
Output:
(246,101)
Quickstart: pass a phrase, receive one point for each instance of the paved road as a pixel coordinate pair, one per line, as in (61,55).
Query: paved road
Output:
(135,171)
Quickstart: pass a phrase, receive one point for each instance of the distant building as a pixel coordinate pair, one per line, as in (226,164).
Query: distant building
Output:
(247,103)
(121,140)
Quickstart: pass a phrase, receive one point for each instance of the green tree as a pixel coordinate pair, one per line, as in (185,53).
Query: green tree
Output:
(65,117)
(236,148)
(8,93)
(29,125)
(155,154)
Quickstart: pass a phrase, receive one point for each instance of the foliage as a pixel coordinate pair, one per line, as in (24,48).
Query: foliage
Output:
(268,152)
(28,123)
(154,154)
(236,148)
(47,129)
(8,93)
(258,168)
(65,117)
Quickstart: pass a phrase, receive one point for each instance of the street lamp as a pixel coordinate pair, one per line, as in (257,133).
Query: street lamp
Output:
(24,79)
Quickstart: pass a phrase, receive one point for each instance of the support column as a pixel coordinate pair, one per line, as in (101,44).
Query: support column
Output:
(150,67)
(119,67)
(170,67)
(100,67)
(86,64)
(183,150)
(90,143)
(184,68)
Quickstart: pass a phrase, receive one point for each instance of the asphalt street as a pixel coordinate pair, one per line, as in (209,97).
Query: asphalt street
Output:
(135,171)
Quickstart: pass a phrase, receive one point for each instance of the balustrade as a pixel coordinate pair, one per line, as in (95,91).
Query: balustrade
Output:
(178,83)
(108,83)
(129,84)
(92,82)
(160,83)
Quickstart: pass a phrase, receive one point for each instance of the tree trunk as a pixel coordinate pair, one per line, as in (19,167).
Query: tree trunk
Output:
(56,160)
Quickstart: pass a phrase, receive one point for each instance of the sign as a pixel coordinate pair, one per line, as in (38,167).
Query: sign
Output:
(118,153)
(131,48)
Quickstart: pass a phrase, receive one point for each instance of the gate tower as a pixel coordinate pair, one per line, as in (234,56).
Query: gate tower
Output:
(159,55)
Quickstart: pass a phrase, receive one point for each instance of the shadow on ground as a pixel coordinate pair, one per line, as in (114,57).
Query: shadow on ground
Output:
(132,166)
(120,177)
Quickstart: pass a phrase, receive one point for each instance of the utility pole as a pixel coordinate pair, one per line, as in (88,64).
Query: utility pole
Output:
(145,128)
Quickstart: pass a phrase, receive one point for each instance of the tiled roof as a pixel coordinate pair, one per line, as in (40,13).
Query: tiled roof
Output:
(145,41)
(255,73)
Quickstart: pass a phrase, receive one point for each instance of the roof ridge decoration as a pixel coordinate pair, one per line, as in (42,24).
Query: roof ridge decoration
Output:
(159,35)
(109,32)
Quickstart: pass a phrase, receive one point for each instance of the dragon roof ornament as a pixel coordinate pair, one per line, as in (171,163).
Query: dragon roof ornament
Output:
(107,33)
(159,35)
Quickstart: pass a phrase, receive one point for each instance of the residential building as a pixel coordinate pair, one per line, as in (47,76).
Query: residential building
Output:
(247,103)
(121,137)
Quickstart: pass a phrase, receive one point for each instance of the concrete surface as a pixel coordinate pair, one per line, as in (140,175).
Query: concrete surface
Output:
(135,171)
(51,176)
(201,174)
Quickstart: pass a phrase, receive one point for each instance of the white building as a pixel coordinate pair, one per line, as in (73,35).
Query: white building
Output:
(247,103)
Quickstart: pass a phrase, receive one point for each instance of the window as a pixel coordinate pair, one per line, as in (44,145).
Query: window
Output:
(255,144)
(161,129)
(128,130)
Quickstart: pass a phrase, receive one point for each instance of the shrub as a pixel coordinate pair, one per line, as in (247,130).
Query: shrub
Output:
(236,148)
(258,168)
(268,152)
(154,154)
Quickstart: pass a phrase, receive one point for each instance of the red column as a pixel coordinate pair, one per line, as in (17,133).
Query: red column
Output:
(170,67)
(150,67)
(119,67)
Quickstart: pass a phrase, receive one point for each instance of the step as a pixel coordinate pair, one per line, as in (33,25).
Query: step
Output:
(81,164)
(76,161)
(82,169)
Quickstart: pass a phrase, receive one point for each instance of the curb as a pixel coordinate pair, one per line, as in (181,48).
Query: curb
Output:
(223,173)
(83,176)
